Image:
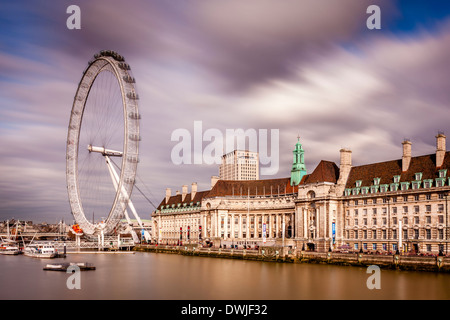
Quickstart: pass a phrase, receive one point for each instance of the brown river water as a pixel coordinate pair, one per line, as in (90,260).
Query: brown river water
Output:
(157,276)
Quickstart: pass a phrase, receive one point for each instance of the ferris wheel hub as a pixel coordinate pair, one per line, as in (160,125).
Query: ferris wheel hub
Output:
(104,151)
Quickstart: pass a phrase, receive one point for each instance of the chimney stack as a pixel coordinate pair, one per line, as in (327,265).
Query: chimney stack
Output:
(440,149)
(406,158)
(168,194)
(193,190)
(214,180)
(184,190)
(345,166)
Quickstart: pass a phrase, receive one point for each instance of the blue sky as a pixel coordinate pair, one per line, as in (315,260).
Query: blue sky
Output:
(307,67)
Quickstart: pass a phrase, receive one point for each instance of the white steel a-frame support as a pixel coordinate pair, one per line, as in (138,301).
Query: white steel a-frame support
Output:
(115,180)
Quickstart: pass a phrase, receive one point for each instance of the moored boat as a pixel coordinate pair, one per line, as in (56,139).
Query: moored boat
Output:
(9,248)
(83,266)
(41,250)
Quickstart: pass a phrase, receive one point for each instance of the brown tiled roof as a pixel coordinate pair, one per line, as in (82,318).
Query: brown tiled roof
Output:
(178,199)
(252,187)
(386,170)
(326,171)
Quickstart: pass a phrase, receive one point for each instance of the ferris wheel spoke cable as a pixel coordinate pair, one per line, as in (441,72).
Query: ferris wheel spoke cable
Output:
(140,191)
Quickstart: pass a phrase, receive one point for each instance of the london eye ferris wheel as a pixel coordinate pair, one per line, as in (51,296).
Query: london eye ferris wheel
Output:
(103,144)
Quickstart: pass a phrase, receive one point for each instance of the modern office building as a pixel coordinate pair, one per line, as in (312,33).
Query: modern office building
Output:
(239,165)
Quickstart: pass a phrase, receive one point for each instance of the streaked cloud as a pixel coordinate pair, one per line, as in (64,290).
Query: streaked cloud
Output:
(303,67)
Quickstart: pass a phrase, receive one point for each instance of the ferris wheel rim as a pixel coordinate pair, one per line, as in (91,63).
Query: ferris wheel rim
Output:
(111,61)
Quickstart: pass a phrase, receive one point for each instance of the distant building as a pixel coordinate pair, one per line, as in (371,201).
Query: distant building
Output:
(239,165)
(381,207)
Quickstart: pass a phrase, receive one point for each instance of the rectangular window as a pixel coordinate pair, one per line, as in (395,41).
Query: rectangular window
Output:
(405,209)
(374,211)
(428,234)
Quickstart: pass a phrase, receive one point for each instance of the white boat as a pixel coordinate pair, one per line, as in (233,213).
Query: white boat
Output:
(9,248)
(40,250)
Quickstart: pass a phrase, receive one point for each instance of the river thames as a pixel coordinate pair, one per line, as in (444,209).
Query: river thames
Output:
(157,276)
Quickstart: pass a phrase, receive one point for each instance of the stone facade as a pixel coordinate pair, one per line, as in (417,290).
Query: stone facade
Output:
(339,208)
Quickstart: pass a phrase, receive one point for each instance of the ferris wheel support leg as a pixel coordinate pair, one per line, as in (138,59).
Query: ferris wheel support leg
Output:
(115,179)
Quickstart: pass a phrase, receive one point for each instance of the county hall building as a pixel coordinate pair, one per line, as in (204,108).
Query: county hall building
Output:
(365,207)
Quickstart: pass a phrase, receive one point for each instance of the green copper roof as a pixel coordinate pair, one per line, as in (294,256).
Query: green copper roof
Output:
(298,166)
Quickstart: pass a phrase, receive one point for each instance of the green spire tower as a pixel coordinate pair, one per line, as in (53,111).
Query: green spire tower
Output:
(298,166)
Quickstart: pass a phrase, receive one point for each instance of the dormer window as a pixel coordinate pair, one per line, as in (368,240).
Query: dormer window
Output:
(384,188)
(418,176)
(376,181)
(428,183)
(440,182)
(396,179)
(358,183)
(416,185)
(442,173)
(374,189)
(404,186)
(394,186)
(365,190)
